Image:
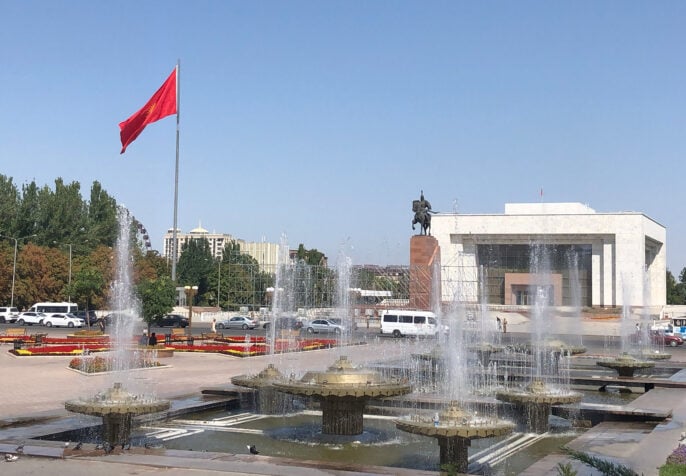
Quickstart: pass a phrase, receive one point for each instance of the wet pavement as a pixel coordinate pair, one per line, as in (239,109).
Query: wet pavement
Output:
(35,388)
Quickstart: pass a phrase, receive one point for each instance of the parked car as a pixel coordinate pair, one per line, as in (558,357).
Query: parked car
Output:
(112,318)
(660,338)
(62,320)
(237,322)
(8,314)
(172,320)
(289,323)
(30,318)
(87,316)
(324,326)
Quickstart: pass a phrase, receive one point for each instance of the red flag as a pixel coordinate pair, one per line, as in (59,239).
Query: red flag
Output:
(161,104)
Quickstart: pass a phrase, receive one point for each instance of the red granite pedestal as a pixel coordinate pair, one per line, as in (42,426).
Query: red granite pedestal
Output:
(425,264)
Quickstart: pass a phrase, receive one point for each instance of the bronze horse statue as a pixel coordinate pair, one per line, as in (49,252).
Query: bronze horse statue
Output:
(423,218)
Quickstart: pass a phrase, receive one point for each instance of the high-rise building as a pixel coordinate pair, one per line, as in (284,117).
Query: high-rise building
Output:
(266,254)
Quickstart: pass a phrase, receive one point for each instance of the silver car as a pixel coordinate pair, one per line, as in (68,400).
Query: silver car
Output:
(237,322)
(324,326)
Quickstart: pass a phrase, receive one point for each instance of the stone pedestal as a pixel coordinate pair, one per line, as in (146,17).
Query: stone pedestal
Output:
(116,428)
(425,263)
(342,416)
(454,450)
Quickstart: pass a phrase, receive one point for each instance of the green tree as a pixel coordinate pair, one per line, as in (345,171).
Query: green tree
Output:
(676,292)
(195,265)
(9,205)
(87,287)
(157,297)
(101,224)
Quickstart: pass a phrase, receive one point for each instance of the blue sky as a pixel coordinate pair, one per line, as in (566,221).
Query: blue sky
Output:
(323,120)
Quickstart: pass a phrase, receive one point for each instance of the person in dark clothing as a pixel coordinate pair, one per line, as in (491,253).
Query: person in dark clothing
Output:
(153,339)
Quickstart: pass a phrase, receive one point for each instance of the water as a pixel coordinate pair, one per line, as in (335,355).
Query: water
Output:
(299,437)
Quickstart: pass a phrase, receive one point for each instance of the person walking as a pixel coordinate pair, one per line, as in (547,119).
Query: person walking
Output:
(504,325)
(214,326)
(499,323)
(153,339)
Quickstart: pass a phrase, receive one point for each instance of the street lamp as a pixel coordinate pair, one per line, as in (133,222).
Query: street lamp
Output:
(14,267)
(190,291)
(70,256)
(219,285)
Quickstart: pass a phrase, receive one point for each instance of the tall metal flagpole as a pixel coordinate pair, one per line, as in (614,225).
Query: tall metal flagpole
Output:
(176,176)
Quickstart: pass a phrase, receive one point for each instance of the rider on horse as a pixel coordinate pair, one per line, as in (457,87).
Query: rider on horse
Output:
(422,209)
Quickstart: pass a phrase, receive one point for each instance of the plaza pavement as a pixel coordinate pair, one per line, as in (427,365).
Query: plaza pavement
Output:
(34,388)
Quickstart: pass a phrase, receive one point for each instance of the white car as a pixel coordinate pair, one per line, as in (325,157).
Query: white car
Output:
(30,318)
(8,314)
(62,320)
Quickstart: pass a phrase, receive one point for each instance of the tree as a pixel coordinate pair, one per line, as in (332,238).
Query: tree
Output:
(195,266)
(87,287)
(101,224)
(157,297)
(676,292)
(9,204)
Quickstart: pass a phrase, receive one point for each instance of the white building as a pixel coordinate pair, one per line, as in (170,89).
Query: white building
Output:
(266,254)
(582,258)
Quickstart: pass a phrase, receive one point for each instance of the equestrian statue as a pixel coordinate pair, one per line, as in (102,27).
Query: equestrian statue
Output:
(422,214)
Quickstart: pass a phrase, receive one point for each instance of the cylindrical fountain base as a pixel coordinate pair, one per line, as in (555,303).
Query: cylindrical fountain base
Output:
(537,416)
(342,415)
(269,401)
(116,428)
(454,451)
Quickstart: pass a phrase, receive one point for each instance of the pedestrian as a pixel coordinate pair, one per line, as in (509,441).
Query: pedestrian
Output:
(214,326)
(101,324)
(504,325)
(144,338)
(500,324)
(153,340)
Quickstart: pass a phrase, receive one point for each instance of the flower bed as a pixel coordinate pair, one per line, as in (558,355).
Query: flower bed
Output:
(75,340)
(242,339)
(104,364)
(60,350)
(244,349)
(11,339)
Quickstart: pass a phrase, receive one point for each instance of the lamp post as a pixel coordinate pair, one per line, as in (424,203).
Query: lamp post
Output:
(14,267)
(190,293)
(219,285)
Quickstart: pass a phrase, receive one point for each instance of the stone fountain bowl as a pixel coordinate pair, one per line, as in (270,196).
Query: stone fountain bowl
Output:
(538,392)
(265,378)
(344,380)
(116,400)
(625,360)
(654,355)
(455,422)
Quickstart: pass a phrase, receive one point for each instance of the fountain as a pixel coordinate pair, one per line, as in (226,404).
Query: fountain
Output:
(117,406)
(625,364)
(534,400)
(343,391)
(455,428)
(268,400)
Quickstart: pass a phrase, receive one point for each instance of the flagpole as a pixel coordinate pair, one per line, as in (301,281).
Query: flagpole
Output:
(176,176)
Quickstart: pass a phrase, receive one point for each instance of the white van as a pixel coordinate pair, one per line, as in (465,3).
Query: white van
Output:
(402,322)
(55,307)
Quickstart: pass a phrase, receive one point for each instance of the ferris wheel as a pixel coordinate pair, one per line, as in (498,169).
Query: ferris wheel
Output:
(142,236)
